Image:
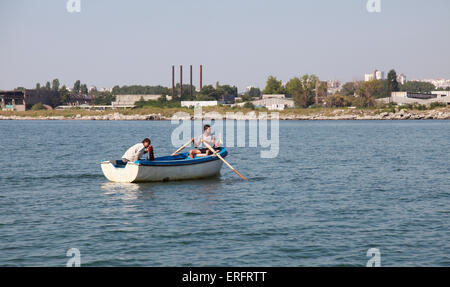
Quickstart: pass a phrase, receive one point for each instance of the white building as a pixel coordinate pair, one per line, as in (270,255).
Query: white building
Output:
(375,75)
(273,96)
(333,86)
(441,93)
(274,103)
(401,79)
(105,89)
(368,77)
(195,104)
(379,75)
(128,101)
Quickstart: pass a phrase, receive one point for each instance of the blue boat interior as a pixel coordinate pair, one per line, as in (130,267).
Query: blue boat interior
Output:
(179,159)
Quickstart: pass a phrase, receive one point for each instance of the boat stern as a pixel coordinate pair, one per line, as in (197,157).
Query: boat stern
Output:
(117,171)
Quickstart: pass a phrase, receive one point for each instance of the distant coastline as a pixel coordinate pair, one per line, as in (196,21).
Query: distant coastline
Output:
(232,114)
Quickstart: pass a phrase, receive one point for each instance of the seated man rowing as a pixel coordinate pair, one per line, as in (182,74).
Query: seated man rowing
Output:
(205,137)
(135,152)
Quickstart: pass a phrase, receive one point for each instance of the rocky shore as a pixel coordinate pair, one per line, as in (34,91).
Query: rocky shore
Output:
(400,115)
(335,115)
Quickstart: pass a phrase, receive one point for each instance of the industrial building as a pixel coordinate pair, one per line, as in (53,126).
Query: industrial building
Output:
(78,100)
(402,98)
(278,104)
(128,101)
(22,100)
(196,104)
(264,97)
(272,102)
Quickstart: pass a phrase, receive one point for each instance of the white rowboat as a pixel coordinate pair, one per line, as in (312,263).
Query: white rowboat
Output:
(167,168)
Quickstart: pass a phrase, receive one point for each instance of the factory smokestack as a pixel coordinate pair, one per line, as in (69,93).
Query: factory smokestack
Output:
(201,77)
(181,81)
(173,81)
(190,82)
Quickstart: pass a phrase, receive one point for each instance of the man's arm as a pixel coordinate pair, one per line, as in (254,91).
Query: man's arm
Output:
(196,144)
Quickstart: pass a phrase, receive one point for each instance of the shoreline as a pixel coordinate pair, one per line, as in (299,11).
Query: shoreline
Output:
(337,115)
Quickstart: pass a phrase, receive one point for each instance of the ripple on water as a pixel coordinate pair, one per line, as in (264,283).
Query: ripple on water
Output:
(342,188)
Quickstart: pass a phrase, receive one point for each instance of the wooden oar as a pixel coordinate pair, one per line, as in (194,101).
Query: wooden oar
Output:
(182,147)
(229,165)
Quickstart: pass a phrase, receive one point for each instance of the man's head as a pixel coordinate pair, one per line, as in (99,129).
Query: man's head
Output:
(207,129)
(146,142)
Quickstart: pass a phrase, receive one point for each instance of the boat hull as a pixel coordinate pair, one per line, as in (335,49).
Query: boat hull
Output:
(163,170)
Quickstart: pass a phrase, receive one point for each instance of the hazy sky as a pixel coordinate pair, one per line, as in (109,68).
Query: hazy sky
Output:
(238,42)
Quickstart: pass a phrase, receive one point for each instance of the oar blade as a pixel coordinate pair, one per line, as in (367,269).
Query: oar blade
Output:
(229,165)
(240,175)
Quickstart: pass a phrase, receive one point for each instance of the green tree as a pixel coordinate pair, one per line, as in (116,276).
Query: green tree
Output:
(225,90)
(116,90)
(338,101)
(38,86)
(350,88)
(76,87)
(63,95)
(143,90)
(55,85)
(37,107)
(254,92)
(294,86)
(368,91)
(250,94)
(104,98)
(392,81)
(249,105)
(203,97)
(273,86)
(208,90)
(163,99)
(47,86)
(83,89)
(418,87)
(304,97)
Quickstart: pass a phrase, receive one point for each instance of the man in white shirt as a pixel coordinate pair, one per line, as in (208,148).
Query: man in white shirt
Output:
(135,152)
(207,137)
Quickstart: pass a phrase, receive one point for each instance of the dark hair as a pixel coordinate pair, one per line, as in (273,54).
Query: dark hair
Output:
(205,127)
(146,140)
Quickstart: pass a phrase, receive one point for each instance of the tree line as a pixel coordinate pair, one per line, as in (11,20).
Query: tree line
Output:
(306,91)
(364,94)
(309,91)
(208,92)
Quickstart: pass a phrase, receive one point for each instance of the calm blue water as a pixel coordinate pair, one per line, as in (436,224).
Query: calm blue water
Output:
(337,189)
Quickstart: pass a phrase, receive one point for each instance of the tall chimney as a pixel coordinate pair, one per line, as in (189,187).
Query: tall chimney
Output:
(317,92)
(181,81)
(173,81)
(201,77)
(190,83)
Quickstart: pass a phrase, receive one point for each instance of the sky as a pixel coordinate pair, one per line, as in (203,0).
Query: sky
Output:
(238,42)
